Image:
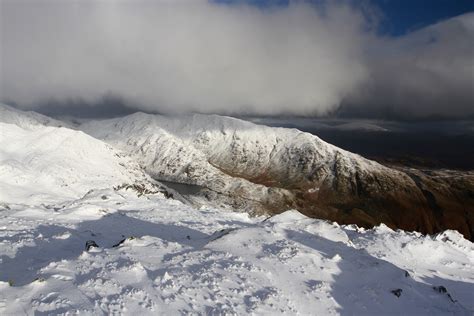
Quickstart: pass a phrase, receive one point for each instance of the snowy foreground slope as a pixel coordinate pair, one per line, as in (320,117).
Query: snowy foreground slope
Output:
(180,260)
(61,188)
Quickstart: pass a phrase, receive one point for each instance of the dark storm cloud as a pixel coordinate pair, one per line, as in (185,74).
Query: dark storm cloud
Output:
(428,73)
(178,55)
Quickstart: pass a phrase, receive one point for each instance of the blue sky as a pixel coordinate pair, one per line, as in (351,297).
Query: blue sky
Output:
(399,16)
(403,16)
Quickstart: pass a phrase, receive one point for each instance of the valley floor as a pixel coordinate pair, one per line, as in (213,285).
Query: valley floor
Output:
(178,260)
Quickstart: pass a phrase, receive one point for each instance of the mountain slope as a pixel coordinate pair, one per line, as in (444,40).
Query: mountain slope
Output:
(272,169)
(47,163)
(225,162)
(177,260)
(26,119)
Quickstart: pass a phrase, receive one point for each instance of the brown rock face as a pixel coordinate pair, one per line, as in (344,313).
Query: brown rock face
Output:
(413,200)
(352,190)
(405,198)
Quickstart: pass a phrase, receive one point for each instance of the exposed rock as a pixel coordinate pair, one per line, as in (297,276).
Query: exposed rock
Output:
(91,244)
(440,289)
(119,243)
(397,292)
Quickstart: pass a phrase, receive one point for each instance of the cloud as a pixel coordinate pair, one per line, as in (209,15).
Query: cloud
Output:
(428,73)
(179,55)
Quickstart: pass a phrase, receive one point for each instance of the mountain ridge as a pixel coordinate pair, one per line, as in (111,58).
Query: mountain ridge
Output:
(231,163)
(43,161)
(281,168)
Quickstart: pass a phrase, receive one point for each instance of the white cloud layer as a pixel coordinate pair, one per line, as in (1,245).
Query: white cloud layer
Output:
(173,56)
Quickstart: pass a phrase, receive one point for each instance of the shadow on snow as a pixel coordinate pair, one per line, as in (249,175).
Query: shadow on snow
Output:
(54,243)
(365,282)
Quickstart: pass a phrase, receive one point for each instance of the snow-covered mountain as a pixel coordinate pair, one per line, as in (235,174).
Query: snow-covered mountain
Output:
(267,169)
(167,148)
(227,162)
(26,119)
(42,162)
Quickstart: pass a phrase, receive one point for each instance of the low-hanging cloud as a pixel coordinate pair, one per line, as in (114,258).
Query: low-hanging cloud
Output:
(178,55)
(428,73)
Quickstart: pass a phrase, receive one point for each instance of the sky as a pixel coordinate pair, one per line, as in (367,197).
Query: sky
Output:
(373,59)
(404,16)
(398,17)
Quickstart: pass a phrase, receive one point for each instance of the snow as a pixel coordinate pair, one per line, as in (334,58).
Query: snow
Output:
(42,164)
(206,141)
(28,120)
(157,255)
(179,260)
(231,157)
